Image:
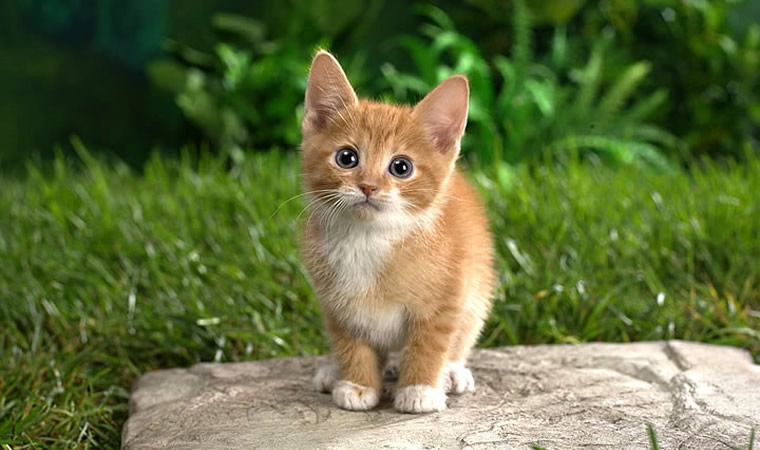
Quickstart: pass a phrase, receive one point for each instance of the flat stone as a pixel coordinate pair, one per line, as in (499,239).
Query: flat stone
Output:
(595,395)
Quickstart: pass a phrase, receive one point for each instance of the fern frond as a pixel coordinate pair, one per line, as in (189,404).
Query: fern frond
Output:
(621,151)
(522,49)
(622,89)
(651,133)
(543,94)
(559,47)
(437,15)
(645,107)
(588,80)
(406,87)
(508,74)
(423,58)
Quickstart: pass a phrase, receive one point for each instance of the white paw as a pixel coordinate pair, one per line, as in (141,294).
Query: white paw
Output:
(354,397)
(420,398)
(457,378)
(326,377)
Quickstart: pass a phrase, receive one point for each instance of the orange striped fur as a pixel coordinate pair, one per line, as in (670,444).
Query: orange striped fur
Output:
(397,263)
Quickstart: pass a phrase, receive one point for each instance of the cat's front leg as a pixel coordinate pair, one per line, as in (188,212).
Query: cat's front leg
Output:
(423,360)
(356,381)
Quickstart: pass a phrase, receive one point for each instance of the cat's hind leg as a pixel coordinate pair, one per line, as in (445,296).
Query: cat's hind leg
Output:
(325,377)
(457,378)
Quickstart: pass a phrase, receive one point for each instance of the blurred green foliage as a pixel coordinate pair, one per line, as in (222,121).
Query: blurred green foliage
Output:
(76,67)
(239,96)
(650,82)
(707,55)
(247,92)
(128,31)
(524,107)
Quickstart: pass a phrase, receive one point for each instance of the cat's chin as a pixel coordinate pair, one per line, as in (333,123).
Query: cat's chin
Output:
(366,210)
(367,205)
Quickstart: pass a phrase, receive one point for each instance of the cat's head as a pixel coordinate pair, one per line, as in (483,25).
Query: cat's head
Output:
(370,161)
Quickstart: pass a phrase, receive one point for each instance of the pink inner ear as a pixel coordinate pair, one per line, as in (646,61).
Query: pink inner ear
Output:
(443,112)
(444,131)
(328,92)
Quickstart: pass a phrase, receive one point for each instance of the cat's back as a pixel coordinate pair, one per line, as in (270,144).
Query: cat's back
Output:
(467,231)
(471,253)
(465,211)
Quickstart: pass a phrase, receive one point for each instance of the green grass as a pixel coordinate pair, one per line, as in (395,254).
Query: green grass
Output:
(106,274)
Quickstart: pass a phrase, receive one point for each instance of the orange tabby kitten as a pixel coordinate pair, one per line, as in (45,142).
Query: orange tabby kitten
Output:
(397,244)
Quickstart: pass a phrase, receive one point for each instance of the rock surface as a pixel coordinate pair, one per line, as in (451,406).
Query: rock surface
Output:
(567,396)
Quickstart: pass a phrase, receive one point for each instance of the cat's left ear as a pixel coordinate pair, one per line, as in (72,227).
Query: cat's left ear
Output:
(328,93)
(443,113)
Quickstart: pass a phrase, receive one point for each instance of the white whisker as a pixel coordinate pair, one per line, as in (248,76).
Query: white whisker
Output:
(299,196)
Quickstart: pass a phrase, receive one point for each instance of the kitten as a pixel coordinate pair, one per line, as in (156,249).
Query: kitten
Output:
(397,242)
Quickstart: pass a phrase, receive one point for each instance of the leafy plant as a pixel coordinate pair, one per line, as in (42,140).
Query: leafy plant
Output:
(707,54)
(242,94)
(248,91)
(523,108)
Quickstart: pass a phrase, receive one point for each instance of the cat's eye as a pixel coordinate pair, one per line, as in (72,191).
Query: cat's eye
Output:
(401,168)
(347,158)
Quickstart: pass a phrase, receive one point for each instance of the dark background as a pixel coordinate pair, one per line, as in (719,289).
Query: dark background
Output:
(114,73)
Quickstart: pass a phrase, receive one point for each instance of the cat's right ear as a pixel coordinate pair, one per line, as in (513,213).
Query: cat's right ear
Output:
(328,93)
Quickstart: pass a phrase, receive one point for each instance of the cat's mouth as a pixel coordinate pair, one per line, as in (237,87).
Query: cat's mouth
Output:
(367,204)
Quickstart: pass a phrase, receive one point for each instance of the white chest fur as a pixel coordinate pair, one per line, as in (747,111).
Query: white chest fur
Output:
(383,327)
(356,256)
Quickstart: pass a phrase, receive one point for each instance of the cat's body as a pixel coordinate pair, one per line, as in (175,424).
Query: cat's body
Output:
(371,280)
(397,244)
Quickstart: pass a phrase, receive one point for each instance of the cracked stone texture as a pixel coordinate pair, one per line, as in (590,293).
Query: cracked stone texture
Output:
(566,396)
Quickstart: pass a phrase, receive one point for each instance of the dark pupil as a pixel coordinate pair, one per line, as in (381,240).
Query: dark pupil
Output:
(400,167)
(347,158)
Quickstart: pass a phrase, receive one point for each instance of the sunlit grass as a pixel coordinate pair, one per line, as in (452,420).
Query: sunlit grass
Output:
(595,254)
(105,274)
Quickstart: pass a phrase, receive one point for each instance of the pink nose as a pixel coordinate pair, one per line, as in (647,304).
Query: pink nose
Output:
(368,189)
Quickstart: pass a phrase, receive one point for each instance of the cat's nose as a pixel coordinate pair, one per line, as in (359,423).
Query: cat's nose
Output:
(368,189)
